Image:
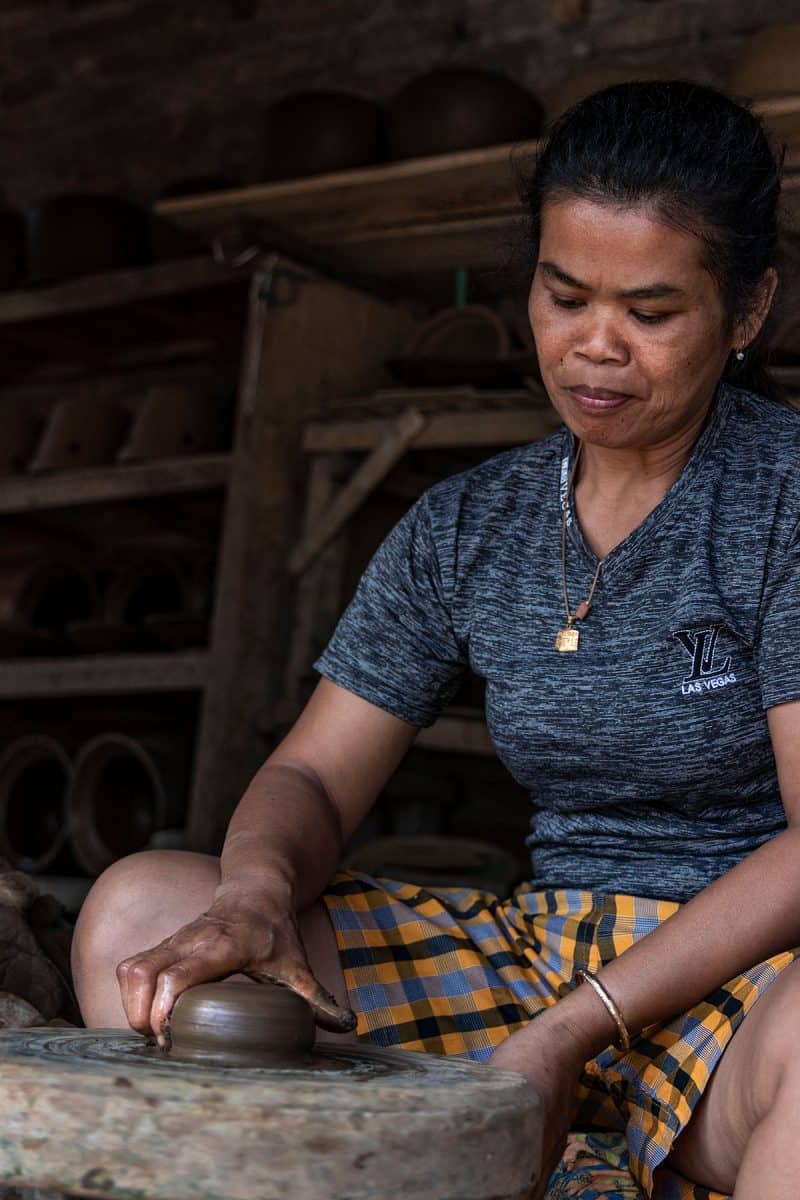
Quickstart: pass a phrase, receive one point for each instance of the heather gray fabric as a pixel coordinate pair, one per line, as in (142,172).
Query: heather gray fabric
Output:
(646,753)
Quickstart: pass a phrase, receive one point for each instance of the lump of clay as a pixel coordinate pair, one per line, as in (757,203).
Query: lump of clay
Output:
(236,1023)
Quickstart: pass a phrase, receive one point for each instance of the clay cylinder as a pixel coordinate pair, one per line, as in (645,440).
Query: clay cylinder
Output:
(472,331)
(312,133)
(72,235)
(174,421)
(38,600)
(151,586)
(461,108)
(238,1024)
(21,431)
(35,774)
(81,431)
(123,790)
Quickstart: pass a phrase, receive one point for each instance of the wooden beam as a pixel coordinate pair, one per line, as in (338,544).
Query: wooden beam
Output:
(115,288)
(103,675)
(501,428)
(396,439)
(321,341)
(65,489)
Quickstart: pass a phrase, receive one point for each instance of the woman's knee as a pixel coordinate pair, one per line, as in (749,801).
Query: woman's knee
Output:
(140,900)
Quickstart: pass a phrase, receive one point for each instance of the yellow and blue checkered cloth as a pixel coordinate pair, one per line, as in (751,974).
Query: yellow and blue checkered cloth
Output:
(454,971)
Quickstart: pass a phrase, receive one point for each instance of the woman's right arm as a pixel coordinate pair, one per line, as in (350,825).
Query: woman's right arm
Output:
(282,847)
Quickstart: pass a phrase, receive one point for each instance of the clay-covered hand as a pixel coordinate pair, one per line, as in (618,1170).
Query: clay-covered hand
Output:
(550,1057)
(253,935)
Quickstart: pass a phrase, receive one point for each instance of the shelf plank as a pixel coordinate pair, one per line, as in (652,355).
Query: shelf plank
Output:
(420,214)
(103,675)
(115,288)
(97,484)
(509,427)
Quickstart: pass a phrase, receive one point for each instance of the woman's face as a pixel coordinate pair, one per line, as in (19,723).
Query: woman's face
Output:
(629,326)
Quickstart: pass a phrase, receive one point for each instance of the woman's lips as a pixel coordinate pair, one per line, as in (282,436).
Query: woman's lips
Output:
(597,399)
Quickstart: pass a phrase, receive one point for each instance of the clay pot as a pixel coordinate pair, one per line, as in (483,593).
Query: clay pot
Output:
(239,1024)
(22,428)
(35,773)
(81,431)
(585,83)
(312,133)
(148,603)
(72,235)
(123,790)
(13,264)
(460,346)
(472,331)
(38,600)
(150,586)
(175,421)
(460,108)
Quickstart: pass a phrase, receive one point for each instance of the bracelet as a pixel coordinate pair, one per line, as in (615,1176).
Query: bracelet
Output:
(624,1042)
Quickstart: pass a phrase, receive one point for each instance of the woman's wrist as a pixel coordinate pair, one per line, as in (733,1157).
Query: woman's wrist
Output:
(585,1021)
(254,890)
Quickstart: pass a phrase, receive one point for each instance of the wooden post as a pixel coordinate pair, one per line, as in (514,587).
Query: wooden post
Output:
(309,340)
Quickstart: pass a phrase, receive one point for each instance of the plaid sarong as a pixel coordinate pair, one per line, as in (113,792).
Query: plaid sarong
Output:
(454,971)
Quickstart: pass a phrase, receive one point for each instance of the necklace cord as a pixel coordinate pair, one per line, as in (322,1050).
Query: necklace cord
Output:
(587,603)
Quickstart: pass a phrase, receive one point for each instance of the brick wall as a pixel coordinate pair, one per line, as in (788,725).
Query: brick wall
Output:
(130,94)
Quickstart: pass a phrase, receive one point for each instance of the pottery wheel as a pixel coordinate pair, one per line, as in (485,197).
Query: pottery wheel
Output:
(98,1112)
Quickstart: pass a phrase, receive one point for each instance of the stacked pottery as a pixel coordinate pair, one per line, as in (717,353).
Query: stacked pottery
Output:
(313,133)
(460,108)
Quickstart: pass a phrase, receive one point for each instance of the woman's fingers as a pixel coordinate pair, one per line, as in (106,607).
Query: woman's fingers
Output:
(295,973)
(137,977)
(150,982)
(172,982)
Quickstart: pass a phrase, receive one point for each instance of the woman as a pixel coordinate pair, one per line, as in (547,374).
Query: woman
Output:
(661,745)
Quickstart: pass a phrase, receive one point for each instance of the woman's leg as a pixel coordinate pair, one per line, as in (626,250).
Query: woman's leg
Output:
(141,900)
(742,1137)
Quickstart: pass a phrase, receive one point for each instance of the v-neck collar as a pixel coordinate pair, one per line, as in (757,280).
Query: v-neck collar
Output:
(648,527)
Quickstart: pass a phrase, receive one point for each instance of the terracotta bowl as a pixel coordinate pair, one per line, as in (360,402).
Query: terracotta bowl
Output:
(461,108)
(236,1023)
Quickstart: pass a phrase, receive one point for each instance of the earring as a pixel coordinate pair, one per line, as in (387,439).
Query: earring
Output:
(740,355)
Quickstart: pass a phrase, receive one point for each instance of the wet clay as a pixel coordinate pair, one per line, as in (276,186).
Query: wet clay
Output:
(240,1024)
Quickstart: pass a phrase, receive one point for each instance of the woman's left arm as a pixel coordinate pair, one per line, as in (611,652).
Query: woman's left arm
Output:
(746,915)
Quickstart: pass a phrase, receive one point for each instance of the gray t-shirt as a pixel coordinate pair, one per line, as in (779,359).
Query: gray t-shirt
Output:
(646,753)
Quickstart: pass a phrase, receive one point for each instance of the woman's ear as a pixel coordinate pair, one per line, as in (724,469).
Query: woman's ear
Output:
(748,327)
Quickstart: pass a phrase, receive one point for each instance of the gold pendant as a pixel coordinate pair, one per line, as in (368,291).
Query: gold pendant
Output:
(567,639)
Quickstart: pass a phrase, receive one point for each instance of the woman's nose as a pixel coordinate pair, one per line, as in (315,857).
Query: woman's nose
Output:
(600,342)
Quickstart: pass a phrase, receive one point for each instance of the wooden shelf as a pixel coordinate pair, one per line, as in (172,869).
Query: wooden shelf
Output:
(488,427)
(99,484)
(103,675)
(115,288)
(421,214)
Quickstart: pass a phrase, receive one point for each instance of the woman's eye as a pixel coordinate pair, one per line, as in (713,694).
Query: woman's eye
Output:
(561,302)
(649,318)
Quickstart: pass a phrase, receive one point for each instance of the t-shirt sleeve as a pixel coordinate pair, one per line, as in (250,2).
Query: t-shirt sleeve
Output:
(778,638)
(395,644)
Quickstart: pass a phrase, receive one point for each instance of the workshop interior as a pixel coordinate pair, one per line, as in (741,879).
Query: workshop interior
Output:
(264,282)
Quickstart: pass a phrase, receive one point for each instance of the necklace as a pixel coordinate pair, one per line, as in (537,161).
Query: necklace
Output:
(568,639)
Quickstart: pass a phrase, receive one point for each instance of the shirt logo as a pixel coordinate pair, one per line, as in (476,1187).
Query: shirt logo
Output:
(705,673)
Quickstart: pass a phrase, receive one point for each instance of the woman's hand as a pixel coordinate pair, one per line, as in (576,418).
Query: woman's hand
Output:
(247,933)
(550,1056)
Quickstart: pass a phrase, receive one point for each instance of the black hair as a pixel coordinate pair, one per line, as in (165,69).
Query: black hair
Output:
(700,158)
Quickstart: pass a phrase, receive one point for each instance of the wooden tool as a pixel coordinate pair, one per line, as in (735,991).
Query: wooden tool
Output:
(99,1112)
